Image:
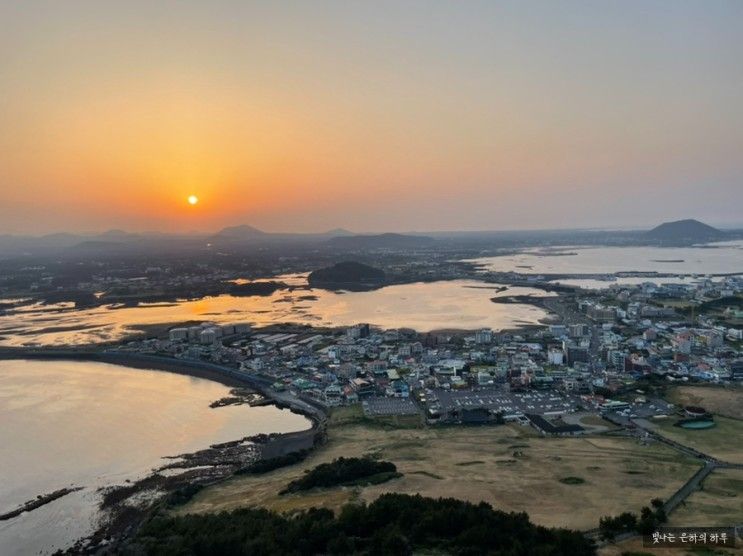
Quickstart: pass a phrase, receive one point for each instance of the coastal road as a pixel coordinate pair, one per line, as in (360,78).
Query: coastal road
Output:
(204,369)
(710,464)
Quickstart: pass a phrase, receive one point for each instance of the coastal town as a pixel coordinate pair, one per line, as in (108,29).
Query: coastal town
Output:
(600,346)
(371,279)
(620,386)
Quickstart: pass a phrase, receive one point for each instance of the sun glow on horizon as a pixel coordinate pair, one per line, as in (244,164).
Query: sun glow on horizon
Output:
(299,117)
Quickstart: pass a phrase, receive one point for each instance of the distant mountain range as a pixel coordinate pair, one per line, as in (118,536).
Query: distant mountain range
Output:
(240,232)
(685,231)
(245,233)
(381,241)
(231,237)
(246,238)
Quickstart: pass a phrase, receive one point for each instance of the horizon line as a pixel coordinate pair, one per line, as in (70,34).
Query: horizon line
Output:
(196,233)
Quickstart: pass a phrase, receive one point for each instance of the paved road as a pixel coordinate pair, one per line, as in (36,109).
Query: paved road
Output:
(260,385)
(670,505)
(689,487)
(646,427)
(571,316)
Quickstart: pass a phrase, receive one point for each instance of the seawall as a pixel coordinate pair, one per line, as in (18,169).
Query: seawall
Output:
(201,369)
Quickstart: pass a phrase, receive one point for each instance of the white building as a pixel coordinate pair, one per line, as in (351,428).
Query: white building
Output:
(555,357)
(484,336)
(208,336)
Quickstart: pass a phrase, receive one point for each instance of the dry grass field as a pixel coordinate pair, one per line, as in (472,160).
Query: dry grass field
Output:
(508,466)
(634,547)
(719,503)
(724,441)
(720,401)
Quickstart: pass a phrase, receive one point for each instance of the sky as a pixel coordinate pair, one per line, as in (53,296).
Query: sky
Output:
(372,116)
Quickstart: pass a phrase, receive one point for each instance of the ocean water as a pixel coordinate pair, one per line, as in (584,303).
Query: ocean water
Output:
(593,284)
(87,424)
(715,258)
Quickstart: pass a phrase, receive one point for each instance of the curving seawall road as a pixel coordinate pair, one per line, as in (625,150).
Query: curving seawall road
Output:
(228,376)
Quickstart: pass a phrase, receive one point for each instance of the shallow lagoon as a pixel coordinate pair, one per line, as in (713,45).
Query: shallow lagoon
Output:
(462,304)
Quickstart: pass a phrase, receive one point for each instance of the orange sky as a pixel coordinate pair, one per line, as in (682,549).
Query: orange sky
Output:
(422,115)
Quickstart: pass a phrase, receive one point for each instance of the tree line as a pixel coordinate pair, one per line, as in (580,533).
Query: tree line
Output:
(394,524)
(651,517)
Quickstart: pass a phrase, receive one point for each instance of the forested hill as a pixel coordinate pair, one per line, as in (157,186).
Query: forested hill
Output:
(349,274)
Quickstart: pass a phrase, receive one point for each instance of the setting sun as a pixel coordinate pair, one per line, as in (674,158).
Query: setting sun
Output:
(192,199)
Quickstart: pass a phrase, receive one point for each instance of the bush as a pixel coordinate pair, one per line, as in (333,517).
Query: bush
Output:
(184,494)
(344,471)
(648,522)
(266,465)
(610,527)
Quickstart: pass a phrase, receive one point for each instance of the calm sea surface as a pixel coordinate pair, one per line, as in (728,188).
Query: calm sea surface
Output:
(69,423)
(462,304)
(716,258)
(593,284)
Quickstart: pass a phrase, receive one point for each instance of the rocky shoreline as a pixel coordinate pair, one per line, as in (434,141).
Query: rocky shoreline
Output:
(125,507)
(519,300)
(241,396)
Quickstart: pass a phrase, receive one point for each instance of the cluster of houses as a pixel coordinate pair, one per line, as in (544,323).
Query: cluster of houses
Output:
(626,333)
(646,335)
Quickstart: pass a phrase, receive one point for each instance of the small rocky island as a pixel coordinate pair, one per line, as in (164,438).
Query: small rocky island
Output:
(348,275)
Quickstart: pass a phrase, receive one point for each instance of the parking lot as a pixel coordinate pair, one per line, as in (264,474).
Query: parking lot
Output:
(645,410)
(499,401)
(382,407)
